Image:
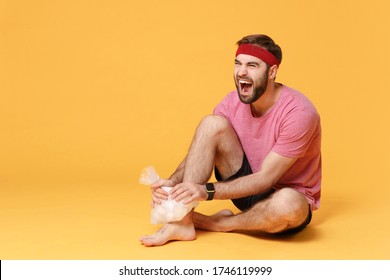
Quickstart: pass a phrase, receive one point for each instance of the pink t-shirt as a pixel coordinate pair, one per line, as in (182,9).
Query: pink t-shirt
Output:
(290,128)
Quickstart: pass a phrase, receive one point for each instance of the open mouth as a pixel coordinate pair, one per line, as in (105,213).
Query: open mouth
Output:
(245,86)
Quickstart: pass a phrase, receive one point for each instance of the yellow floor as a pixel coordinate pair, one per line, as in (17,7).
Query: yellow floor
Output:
(104,222)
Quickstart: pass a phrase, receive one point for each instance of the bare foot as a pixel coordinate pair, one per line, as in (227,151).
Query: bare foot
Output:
(171,231)
(214,222)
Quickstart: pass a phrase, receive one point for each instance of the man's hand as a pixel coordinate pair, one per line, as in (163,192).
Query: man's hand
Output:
(189,192)
(158,193)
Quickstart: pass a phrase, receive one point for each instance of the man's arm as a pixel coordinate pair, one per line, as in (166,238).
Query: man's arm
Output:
(272,169)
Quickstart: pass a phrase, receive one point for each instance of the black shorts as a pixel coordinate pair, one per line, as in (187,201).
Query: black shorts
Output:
(247,202)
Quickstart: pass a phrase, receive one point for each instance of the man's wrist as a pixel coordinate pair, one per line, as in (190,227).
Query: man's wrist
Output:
(174,180)
(210,189)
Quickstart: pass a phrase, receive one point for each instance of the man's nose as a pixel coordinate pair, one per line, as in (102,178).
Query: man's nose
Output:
(242,71)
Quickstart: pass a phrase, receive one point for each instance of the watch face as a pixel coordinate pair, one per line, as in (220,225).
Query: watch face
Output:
(210,187)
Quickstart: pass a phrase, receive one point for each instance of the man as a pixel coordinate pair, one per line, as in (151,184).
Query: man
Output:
(263,141)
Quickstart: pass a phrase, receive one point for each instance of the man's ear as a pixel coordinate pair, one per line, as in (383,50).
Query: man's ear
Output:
(273,70)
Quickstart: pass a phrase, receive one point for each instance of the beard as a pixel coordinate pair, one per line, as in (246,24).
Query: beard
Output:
(257,90)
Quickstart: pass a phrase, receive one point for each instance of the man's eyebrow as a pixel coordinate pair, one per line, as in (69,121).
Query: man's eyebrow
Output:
(253,63)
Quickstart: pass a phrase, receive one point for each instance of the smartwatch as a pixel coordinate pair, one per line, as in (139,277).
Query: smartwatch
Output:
(210,191)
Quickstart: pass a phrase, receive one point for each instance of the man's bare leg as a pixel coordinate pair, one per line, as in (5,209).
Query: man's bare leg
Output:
(285,209)
(215,142)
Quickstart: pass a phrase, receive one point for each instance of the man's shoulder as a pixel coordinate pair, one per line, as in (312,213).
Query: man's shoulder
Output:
(232,96)
(230,100)
(230,106)
(296,99)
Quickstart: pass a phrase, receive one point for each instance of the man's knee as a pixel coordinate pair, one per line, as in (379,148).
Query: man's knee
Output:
(214,123)
(292,204)
(228,149)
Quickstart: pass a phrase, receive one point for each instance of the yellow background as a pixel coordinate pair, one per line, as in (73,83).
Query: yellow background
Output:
(91,92)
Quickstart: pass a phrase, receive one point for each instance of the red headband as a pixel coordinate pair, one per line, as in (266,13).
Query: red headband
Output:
(258,52)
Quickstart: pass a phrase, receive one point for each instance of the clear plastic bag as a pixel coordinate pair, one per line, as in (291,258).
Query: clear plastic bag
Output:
(169,210)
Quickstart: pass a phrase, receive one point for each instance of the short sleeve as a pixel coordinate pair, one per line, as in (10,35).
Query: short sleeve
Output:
(297,131)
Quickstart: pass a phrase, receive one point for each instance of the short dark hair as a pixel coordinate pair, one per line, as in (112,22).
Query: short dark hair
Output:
(263,41)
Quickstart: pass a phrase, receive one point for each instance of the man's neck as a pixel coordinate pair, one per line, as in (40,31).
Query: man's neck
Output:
(267,100)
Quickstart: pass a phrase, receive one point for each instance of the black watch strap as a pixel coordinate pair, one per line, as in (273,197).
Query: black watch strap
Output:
(210,191)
